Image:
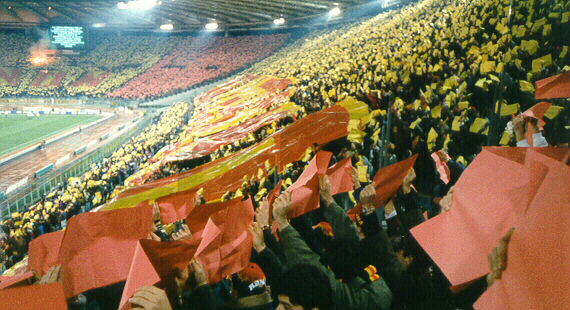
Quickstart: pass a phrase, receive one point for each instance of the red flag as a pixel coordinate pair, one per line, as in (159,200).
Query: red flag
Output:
(536,276)
(155,262)
(208,252)
(199,216)
(16,280)
(98,247)
(340,176)
(44,251)
(484,207)
(237,242)
(141,273)
(34,297)
(305,195)
(176,206)
(388,180)
(557,86)
(518,154)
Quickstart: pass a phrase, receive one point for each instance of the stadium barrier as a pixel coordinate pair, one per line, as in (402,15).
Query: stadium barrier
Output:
(80,150)
(60,161)
(121,127)
(44,170)
(34,191)
(103,137)
(16,185)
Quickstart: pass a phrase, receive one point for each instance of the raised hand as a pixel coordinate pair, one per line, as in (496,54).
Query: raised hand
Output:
(183,233)
(325,190)
(367,196)
(198,271)
(258,240)
(150,298)
(281,207)
(498,258)
(52,275)
(262,213)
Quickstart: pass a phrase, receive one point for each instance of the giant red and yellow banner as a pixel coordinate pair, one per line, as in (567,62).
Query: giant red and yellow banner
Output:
(226,174)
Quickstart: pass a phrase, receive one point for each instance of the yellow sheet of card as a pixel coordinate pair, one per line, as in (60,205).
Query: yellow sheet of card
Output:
(539,63)
(526,86)
(487,66)
(509,109)
(436,111)
(478,125)
(463,105)
(505,139)
(362,173)
(553,111)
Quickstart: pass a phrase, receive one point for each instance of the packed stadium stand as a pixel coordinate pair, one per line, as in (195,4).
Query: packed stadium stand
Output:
(397,155)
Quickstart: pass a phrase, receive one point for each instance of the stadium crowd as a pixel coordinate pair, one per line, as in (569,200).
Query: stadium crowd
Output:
(129,66)
(196,60)
(433,67)
(95,187)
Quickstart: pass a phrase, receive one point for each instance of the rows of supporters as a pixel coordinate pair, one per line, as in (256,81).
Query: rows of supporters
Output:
(80,194)
(438,64)
(195,60)
(127,66)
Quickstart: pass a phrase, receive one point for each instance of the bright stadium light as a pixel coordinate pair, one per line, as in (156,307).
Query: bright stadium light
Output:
(212,26)
(334,12)
(167,27)
(279,21)
(98,25)
(136,4)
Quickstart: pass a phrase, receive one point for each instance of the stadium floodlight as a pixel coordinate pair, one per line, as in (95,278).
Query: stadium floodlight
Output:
(136,4)
(212,26)
(334,12)
(98,25)
(279,21)
(167,27)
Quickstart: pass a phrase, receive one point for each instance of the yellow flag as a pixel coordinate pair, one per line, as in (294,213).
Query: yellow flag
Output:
(436,111)
(553,111)
(505,139)
(362,173)
(415,123)
(526,86)
(463,105)
(478,125)
(530,46)
(488,66)
(509,109)
(541,62)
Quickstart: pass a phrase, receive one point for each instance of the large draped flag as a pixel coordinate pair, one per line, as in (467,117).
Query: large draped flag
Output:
(557,86)
(536,275)
(43,252)
(97,247)
(34,297)
(225,174)
(16,280)
(491,196)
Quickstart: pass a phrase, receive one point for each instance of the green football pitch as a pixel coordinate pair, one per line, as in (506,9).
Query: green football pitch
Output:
(18,131)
